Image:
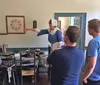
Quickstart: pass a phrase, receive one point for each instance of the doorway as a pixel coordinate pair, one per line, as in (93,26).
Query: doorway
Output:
(73,19)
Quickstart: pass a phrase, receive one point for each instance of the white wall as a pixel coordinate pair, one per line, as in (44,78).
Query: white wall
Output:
(65,22)
(42,11)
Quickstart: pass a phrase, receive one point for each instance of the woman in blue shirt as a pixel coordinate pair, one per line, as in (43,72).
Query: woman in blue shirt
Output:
(54,34)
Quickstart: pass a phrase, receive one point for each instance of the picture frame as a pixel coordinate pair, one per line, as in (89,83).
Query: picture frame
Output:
(3,33)
(15,24)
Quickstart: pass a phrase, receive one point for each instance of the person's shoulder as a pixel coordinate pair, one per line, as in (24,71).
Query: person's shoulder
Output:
(80,50)
(58,51)
(94,41)
(58,31)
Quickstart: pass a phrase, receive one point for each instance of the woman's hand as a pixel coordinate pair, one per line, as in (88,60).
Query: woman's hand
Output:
(33,29)
(29,29)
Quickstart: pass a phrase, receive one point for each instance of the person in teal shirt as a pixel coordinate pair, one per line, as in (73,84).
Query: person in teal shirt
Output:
(92,64)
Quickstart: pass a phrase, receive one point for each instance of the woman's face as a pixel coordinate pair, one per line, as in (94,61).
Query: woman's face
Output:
(51,27)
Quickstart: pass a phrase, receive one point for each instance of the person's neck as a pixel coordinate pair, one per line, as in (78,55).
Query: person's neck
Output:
(71,44)
(96,34)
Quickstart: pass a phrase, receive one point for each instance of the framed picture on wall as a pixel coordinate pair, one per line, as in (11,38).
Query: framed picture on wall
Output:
(15,24)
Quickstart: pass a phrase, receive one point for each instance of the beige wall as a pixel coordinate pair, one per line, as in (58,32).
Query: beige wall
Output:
(42,11)
(65,22)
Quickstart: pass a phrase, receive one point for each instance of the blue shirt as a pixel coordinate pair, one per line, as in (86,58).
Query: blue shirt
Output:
(54,37)
(66,65)
(93,50)
(57,37)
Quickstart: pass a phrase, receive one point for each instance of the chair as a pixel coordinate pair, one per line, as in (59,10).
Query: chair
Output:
(9,71)
(42,63)
(32,71)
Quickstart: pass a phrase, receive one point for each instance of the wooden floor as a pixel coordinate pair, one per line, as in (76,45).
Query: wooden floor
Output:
(43,80)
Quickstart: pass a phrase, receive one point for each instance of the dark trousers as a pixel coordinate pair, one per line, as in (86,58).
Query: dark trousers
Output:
(49,72)
(90,82)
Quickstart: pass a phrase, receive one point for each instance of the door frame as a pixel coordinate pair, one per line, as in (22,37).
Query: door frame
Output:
(83,25)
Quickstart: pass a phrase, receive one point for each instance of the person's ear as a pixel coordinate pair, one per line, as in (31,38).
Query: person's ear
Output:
(67,38)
